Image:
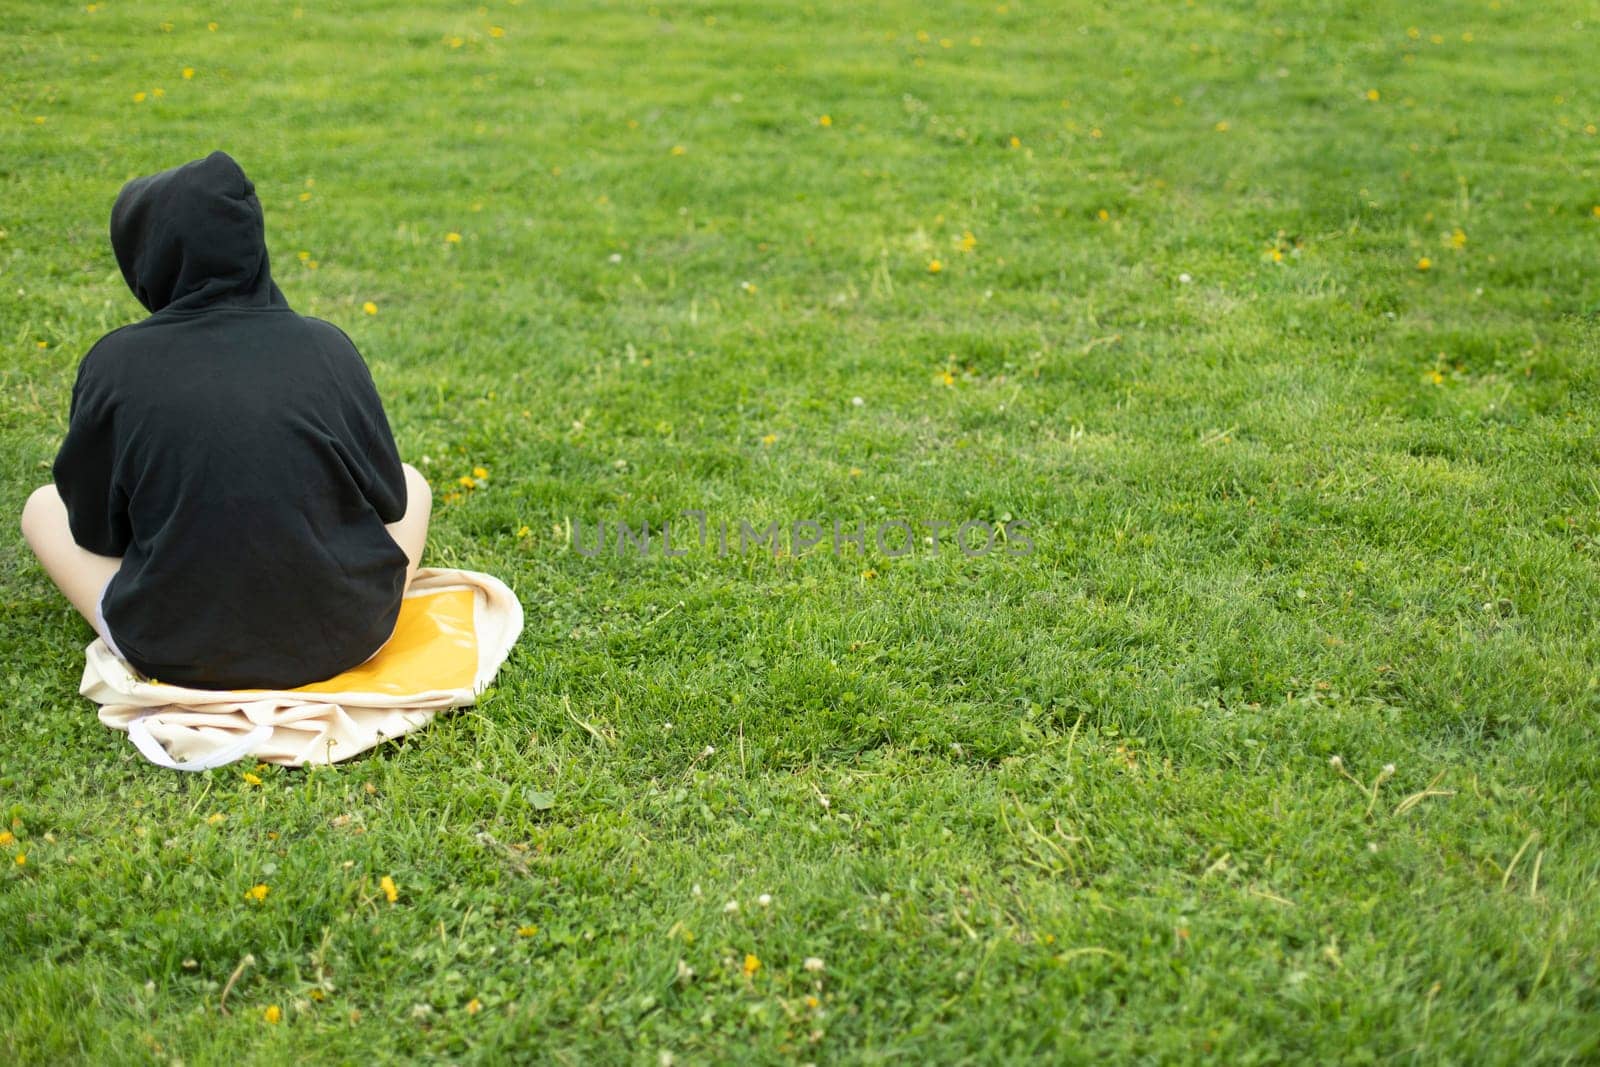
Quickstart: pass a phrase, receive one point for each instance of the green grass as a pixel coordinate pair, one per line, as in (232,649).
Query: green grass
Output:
(1071,805)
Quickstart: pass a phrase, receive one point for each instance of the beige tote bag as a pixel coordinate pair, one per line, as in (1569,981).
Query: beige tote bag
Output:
(456,628)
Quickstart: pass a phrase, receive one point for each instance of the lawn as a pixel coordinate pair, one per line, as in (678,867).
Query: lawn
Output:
(1279,327)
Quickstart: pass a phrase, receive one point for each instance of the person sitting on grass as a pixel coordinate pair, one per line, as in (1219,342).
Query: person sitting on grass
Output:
(229,509)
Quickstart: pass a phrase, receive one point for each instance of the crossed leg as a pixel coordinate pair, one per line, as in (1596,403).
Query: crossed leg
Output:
(81,574)
(77,572)
(411,532)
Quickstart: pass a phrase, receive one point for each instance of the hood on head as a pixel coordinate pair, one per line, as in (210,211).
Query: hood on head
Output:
(193,236)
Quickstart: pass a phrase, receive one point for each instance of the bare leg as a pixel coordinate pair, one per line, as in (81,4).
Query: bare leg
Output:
(77,572)
(411,532)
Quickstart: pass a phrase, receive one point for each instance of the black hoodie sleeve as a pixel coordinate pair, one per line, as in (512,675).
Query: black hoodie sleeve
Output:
(378,471)
(373,458)
(85,471)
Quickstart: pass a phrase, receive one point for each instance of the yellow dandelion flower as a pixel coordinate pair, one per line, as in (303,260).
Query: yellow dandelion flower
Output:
(1596,211)
(44,344)
(452,238)
(474,1006)
(527,931)
(1276,255)
(497,32)
(38,120)
(1413,33)
(1374,95)
(825,120)
(257,893)
(302,256)
(922,36)
(1424,263)
(311,264)
(1222,127)
(1435,377)
(138,98)
(158,93)
(215,818)
(855,472)
(304,197)
(273,1014)
(370,308)
(679,150)
(1458,238)
(1103,215)
(1436,38)
(934,266)
(769,439)
(7,838)
(390,891)
(22,859)
(751,964)
(947,378)
(523,532)
(1096,133)
(166,27)
(1016,142)
(480,472)
(868,575)
(251,779)
(967,242)
(457,42)
(812,1002)
(212,26)
(466,482)
(188,73)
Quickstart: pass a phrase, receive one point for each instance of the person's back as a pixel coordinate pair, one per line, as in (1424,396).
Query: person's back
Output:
(233,453)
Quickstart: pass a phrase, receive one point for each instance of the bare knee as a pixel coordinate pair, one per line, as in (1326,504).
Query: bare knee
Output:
(419,494)
(411,532)
(42,515)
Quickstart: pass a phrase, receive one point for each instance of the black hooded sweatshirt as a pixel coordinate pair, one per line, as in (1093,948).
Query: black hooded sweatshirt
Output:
(233,453)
